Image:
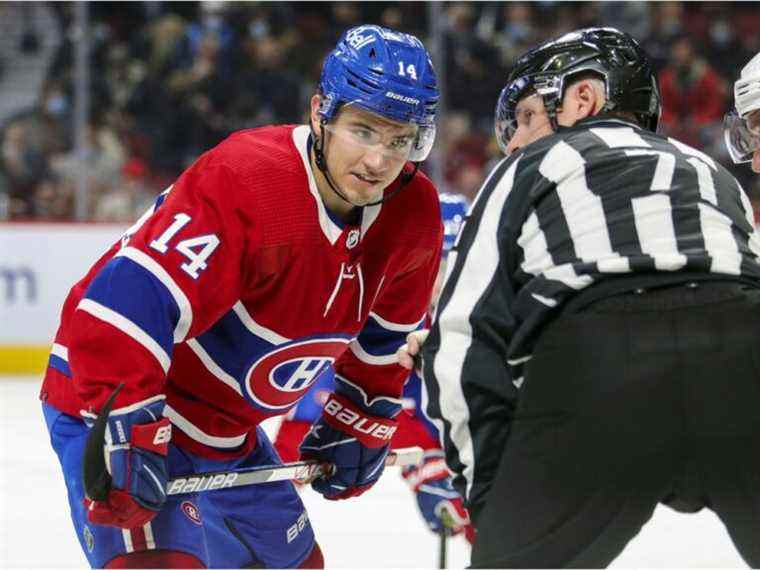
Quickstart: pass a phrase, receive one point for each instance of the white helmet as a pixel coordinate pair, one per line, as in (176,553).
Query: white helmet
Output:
(743,139)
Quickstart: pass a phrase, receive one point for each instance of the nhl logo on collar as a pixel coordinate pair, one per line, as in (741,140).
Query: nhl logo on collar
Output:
(352,239)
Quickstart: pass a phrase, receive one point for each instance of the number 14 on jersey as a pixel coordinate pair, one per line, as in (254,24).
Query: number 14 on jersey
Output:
(196,249)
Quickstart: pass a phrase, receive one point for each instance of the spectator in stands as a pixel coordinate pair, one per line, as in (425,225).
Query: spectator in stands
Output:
(509,27)
(693,95)
(128,199)
(54,199)
(472,83)
(171,85)
(267,80)
(667,24)
(23,167)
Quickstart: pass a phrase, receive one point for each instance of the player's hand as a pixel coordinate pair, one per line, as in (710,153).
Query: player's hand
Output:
(354,436)
(136,458)
(441,506)
(407,352)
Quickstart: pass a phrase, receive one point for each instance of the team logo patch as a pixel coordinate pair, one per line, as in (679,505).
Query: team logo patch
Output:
(191,512)
(89,540)
(280,378)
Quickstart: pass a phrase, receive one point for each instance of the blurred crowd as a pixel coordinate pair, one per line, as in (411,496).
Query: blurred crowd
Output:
(170,80)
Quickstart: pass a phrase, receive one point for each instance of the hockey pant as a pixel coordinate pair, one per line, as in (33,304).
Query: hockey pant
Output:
(252,526)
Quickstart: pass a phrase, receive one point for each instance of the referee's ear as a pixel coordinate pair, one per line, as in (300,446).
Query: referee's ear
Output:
(582,99)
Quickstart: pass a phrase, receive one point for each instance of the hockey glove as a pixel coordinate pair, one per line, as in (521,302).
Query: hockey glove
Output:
(354,436)
(136,448)
(440,505)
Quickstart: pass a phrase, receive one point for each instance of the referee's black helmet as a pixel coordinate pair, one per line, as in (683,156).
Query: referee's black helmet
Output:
(610,54)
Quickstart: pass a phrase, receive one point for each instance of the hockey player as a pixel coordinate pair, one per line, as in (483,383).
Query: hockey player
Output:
(278,253)
(742,126)
(594,348)
(440,505)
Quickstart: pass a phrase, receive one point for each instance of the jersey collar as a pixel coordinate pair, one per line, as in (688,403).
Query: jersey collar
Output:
(600,120)
(330,228)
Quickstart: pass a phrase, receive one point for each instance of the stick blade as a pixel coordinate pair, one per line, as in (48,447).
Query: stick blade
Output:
(97,480)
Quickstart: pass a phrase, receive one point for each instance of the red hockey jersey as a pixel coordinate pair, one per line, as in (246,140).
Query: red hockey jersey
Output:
(238,289)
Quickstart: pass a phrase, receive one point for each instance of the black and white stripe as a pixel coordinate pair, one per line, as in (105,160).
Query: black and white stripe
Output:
(600,200)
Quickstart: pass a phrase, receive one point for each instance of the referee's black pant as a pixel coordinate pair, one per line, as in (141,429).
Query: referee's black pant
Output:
(635,400)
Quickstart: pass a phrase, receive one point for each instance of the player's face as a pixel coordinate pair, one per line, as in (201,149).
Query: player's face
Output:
(581,100)
(365,153)
(532,123)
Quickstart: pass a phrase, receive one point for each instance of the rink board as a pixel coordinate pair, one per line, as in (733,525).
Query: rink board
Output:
(38,265)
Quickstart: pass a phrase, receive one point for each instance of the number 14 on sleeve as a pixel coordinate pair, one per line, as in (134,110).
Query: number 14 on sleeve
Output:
(196,249)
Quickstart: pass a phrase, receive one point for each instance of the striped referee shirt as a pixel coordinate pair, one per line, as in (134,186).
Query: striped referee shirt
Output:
(601,202)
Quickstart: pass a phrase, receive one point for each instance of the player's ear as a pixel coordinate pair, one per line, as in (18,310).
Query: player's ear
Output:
(313,114)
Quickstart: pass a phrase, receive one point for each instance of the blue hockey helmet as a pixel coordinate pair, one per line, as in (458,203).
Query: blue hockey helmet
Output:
(453,212)
(384,72)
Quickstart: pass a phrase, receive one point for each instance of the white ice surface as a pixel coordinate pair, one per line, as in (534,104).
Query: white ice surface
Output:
(381,529)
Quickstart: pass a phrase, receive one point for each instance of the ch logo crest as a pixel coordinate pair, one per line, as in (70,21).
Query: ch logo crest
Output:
(89,540)
(191,512)
(280,378)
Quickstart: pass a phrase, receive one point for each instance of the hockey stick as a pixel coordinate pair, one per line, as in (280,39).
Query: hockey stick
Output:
(97,480)
(443,537)
(301,471)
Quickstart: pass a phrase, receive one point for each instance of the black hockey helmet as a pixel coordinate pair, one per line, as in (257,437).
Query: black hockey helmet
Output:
(614,56)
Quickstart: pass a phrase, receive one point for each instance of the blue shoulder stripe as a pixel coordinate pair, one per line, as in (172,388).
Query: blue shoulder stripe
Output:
(133,292)
(230,345)
(59,364)
(377,340)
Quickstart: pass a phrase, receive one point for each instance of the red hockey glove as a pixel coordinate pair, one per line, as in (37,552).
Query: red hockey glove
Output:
(440,505)
(354,436)
(136,460)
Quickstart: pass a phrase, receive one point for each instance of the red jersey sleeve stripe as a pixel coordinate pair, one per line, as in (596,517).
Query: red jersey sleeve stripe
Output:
(212,366)
(260,331)
(127,327)
(197,434)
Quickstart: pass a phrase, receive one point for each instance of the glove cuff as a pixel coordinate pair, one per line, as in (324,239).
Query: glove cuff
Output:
(432,468)
(381,406)
(153,437)
(371,431)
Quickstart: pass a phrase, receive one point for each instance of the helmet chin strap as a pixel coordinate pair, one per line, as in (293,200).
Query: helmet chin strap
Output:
(321,161)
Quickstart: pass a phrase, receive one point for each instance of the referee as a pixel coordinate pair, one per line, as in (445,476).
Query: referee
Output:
(595,350)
